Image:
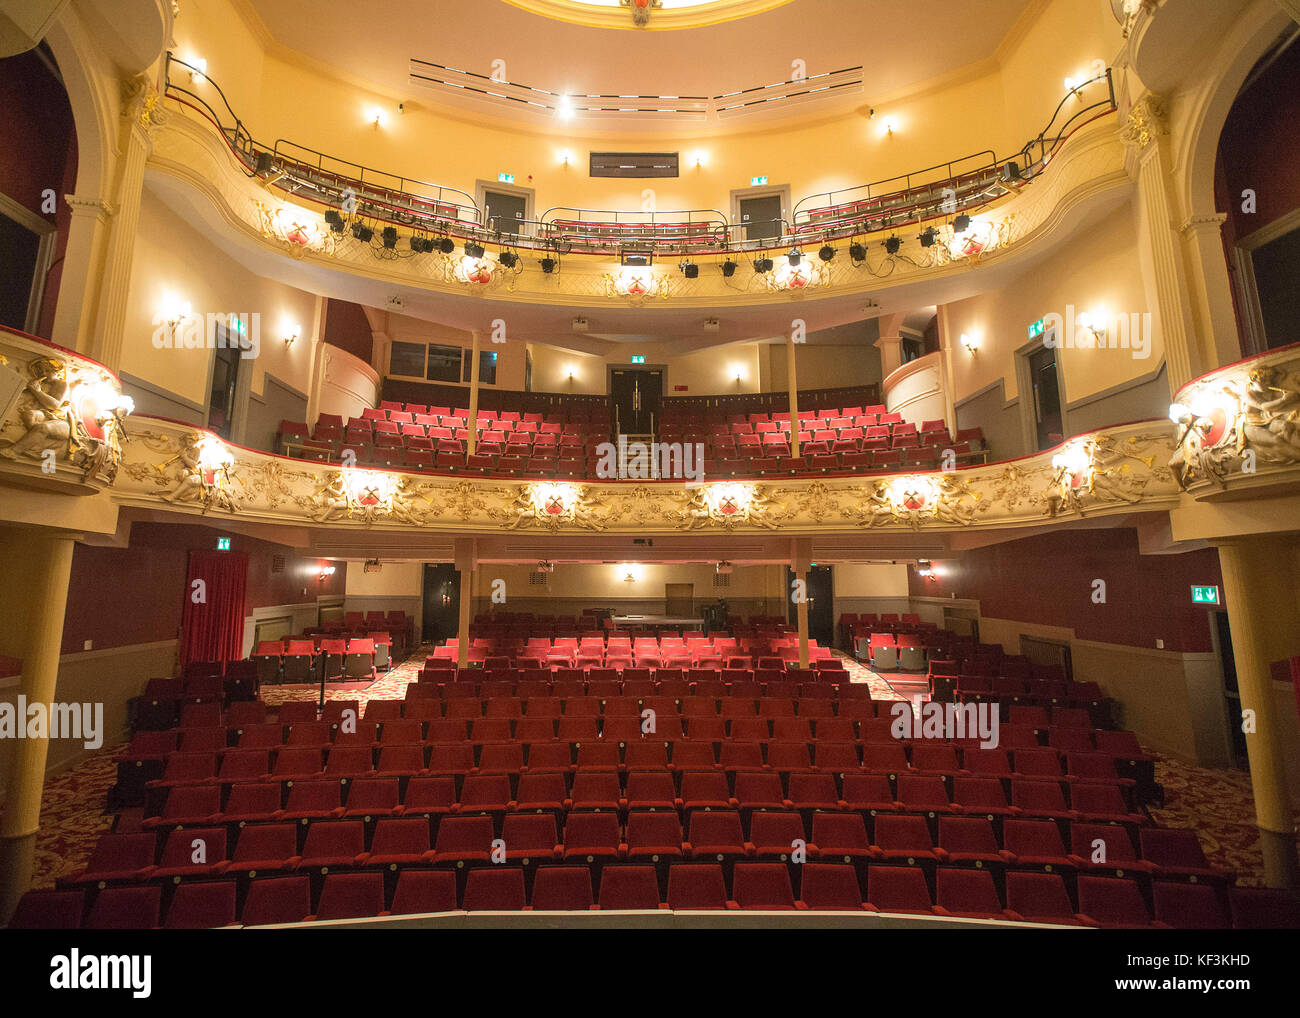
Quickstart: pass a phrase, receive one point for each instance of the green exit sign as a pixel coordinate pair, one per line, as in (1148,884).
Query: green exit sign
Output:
(1036,329)
(1205,595)
(758,181)
(223,544)
(638,358)
(505,178)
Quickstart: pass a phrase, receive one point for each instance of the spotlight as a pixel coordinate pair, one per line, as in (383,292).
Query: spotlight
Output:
(390,237)
(334,219)
(857,252)
(362,232)
(892,245)
(446,245)
(762,264)
(795,256)
(728,268)
(961,224)
(508,259)
(927,237)
(690,270)
(421,245)
(547,264)
(473,249)
(826,253)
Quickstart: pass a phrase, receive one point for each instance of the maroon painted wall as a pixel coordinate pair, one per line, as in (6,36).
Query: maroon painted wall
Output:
(122,596)
(347,327)
(1048,580)
(38,150)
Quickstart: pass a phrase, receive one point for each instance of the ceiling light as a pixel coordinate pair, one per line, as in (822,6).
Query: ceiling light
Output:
(857,252)
(961,224)
(826,253)
(421,245)
(728,268)
(508,259)
(795,256)
(446,245)
(762,265)
(690,270)
(390,237)
(927,236)
(547,264)
(564,108)
(892,245)
(473,249)
(362,232)
(334,219)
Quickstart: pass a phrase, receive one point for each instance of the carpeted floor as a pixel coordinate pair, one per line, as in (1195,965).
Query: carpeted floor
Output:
(1216,803)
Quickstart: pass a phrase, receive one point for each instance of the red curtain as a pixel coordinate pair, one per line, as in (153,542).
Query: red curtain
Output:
(212,626)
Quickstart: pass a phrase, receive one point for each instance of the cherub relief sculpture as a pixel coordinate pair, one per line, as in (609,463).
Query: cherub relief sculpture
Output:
(209,486)
(44,412)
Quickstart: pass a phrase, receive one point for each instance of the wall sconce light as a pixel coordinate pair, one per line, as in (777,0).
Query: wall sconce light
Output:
(376,116)
(174,313)
(1072,85)
(971,341)
(325,573)
(292,332)
(925,570)
(1092,334)
(565,156)
(199,69)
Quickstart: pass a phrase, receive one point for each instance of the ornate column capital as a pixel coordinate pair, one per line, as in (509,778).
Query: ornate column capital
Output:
(142,104)
(1207,221)
(1148,118)
(1134,11)
(97,208)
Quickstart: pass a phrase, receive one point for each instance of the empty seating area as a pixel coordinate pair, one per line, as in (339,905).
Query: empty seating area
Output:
(416,437)
(851,439)
(353,649)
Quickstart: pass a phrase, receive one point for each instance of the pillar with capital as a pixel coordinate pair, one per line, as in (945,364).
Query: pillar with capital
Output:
(465,563)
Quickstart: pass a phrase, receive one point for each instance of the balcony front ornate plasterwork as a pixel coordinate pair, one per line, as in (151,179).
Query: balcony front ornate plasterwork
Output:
(186,470)
(189,149)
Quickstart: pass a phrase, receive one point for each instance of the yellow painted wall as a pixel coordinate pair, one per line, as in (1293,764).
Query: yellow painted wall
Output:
(175,262)
(708,372)
(1098,270)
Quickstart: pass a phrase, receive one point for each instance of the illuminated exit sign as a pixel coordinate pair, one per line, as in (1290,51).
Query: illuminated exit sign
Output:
(223,544)
(757,181)
(638,358)
(1205,595)
(505,178)
(1037,328)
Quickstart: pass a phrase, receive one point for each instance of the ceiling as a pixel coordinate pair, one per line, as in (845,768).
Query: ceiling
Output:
(899,44)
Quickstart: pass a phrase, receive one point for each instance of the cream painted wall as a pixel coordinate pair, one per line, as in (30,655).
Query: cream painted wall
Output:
(823,367)
(709,372)
(977,108)
(400,579)
(173,261)
(597,582)
(510,354)
(1098,271)
(870,580)
(349,386)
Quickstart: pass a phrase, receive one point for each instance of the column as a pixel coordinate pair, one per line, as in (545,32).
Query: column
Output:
(1260,591)
(802,557)
(794,393)
(890,345)
(142,113)
(83,265)
(1207,276)
(464,552)
(473,396)
(38,565)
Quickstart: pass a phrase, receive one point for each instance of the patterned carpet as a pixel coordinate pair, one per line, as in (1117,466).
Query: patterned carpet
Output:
(1217,803)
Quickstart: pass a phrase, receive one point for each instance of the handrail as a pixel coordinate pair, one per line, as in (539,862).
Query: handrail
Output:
(971,182)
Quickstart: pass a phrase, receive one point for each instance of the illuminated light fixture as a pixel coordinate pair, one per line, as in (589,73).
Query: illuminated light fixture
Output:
(505,178)
(213,454)
(723,568)
(363,232)
(925,569)
(961,224)
(826,253)
(474,249)
(971,341)
(1074,459)
(376,117)
(174,312)
(291,334)
(758,181)
(636,259)
(690,270)
(892,244)
(390,237)
(334,219)
(548,266)
(326,572)
(508,259)
(857,252)
(1088,322)
(927,236)
(1179,412)
(795,256)
(762,265)
(446,245)
(564,108)
(198,68)
(728,268)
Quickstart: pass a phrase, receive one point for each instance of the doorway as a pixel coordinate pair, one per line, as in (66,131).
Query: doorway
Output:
(761,217)
(821,604)
(637,398)
(441,602)
(1045,386)
(1231,694)
(225,378)
(505,212)
(679,600)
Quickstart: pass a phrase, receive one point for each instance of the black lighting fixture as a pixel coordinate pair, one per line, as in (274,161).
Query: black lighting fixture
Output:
(728,268)
(961,224)
(639,259)
(548,264)
(857,252)
(795,256)
(473,249)
(762,264)
(892,244)
(445,244)
(334,220)
(390,237)
(1010,172)
(421,245)
(826,253)
(508,259)
(690,270)
(362,232)
(927,236)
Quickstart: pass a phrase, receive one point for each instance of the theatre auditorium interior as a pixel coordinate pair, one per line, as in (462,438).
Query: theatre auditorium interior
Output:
(832,463)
